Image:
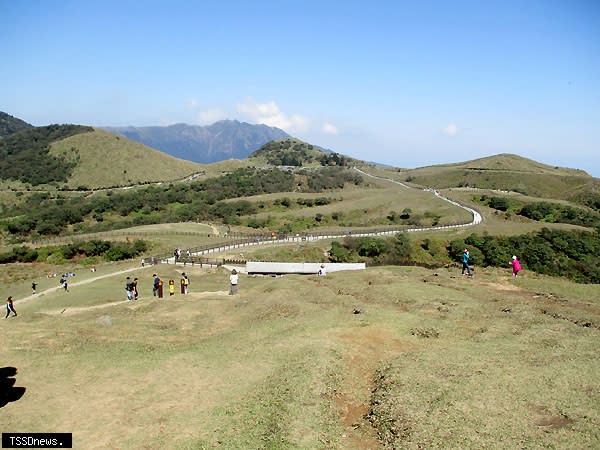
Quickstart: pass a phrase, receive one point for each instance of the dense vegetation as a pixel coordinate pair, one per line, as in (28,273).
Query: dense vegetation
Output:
(543,211)
(291,152)
(199,201)
(107,250)
(572,254)
(11,125)
(25,156)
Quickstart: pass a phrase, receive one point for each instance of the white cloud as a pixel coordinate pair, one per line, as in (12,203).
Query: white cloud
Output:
(451,130)
(270,114)
(210,116)
(329,128)
(192,103)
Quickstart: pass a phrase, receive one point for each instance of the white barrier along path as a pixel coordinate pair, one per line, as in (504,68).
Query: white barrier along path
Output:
(476,220)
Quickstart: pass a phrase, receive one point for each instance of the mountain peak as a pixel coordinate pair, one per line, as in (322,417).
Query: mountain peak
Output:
(224,139)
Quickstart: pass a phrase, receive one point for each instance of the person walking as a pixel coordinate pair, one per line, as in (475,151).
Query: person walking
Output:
(322,271)
(233,282)
(516,266)
(10,307)
(33,287)
(135,289)
(465,263)
(155,285)
(185,281)
(129,288)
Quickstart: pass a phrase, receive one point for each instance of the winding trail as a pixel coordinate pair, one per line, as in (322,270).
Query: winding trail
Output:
(477,219)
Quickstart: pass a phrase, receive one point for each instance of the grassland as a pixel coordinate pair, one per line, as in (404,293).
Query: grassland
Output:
(105,160)
(390,357)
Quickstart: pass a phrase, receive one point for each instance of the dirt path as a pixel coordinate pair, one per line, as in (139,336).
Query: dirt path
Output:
(77,283)
(80,309)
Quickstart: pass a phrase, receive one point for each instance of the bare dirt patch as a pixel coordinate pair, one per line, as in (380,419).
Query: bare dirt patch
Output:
(365,350)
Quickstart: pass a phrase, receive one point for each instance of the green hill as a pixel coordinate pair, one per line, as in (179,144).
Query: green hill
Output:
(102,159)
(11,125)
(294,152)
(511,173)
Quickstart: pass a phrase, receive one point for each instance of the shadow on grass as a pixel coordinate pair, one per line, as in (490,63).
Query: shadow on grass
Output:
(8,391)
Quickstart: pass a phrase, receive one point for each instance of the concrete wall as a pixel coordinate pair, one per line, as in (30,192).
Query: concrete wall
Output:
(303,268)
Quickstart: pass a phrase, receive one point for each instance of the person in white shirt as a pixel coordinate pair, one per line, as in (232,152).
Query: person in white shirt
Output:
(233,280)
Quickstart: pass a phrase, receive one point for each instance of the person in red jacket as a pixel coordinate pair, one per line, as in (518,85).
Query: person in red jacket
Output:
(516,265)
(10,307)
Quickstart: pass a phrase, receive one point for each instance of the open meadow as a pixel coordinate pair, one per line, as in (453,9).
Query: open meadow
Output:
(389,357)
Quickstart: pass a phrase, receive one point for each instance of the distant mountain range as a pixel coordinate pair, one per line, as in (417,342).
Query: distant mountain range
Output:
(226,139)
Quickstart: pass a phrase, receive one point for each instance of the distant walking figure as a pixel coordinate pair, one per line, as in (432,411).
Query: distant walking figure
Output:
(516,265)
(465,263)
(185,282)
(10,307)
(233,281)
(155,285)
(135,289)
(33,287)
(65,284)
(322,271)
(129,288)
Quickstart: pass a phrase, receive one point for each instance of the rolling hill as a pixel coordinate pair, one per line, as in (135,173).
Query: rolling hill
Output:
(10,125)
(510,173)
(222,140)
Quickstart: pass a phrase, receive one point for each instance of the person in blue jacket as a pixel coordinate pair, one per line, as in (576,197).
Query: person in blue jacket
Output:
(465,263)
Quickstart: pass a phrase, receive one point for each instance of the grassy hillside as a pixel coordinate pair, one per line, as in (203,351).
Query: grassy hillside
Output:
(391,357)
(504,172)
(105,160)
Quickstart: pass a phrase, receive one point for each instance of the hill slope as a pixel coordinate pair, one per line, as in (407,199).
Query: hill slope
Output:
(508,172)
(104,160)
(10,125)
(222,140)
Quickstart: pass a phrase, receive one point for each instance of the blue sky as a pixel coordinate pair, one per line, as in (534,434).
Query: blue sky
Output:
(403,83)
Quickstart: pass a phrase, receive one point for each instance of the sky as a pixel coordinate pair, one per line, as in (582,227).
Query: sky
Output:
(404,83)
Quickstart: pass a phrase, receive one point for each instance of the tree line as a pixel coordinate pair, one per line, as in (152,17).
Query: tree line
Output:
(571,254)
(205,200)
(107,250)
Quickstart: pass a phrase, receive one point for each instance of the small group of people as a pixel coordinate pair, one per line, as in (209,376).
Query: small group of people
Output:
(514,262)
(131,289)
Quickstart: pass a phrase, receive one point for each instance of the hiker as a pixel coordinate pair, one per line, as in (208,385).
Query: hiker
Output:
(465,263)
(322,271)
(516,265)
(65,284)
(155,285)
(233,280)
(135,289)
(129,288)
(33,287)
(10,307)
(185,282)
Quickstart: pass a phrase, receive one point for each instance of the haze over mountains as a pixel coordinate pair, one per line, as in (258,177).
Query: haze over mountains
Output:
(226,139)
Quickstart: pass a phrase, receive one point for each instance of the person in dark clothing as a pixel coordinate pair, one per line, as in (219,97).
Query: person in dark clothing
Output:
(33,287)
(155,285)
(10,307)
(135,289)
(129,288)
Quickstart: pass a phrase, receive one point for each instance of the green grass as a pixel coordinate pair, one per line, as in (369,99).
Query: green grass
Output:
(106,160)
(287,364)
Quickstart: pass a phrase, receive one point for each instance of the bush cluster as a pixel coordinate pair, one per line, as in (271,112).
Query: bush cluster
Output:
(110,251)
